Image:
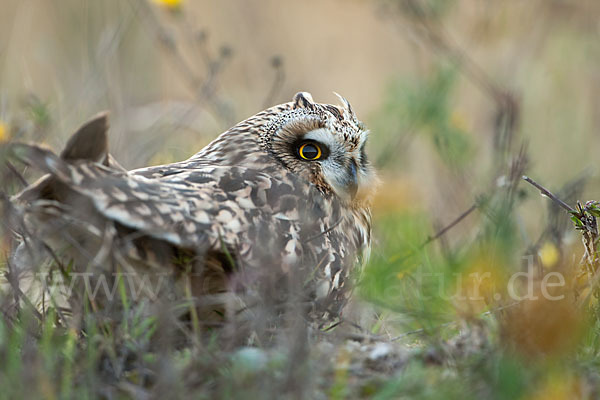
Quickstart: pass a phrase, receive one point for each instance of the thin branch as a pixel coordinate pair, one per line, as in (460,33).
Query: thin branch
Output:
(13,280)
(17,174)
(325,232)
(204,89)
(548,194)
(446,324)
(439,38)
(442,231)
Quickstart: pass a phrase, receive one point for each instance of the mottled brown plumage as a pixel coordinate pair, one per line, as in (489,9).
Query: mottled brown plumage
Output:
(244,211)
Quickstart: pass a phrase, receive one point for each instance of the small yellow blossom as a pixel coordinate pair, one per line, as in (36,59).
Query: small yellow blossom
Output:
(170,4)
(4,133)
(480,285)
(549,255)
(458,121)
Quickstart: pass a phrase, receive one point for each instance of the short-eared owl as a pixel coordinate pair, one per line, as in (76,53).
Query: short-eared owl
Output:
(282,197)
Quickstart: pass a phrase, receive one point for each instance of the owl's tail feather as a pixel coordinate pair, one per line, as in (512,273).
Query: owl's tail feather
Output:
(88,144)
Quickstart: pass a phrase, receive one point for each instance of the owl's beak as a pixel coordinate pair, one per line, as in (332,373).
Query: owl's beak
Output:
(352,179)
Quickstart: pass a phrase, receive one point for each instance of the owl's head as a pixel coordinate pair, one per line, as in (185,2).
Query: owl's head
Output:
(323,143)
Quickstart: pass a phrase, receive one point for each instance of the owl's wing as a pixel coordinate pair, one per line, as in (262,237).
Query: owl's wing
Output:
(188,208)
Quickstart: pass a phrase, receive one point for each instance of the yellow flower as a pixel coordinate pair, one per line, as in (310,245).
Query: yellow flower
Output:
(458,121)
(549,255)
(170,4)
(481,284)
(4,133)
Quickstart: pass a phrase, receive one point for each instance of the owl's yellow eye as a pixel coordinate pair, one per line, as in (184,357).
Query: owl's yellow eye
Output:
(310,151)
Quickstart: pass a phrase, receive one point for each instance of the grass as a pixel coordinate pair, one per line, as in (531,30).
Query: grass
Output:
(442,309)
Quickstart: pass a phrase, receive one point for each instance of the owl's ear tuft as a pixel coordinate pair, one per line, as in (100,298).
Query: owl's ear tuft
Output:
(345,103)
(89,142)
(304,100)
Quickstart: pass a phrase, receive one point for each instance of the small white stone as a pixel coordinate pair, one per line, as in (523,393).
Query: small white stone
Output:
(380,350)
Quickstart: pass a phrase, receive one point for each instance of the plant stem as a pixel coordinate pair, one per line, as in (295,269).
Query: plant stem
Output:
(549,194)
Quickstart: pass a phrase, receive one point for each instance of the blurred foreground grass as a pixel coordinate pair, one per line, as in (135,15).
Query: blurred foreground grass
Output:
(433,317)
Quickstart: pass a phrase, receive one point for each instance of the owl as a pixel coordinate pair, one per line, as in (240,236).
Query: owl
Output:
(277,205)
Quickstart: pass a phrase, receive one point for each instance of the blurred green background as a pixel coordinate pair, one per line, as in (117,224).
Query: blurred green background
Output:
(462,98)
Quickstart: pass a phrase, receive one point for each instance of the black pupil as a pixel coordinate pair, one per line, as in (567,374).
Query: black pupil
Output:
(310,151)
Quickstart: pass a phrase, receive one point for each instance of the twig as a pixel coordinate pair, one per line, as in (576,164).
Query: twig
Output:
(442,231)
(325,232)
(451,225)
(204,89)
(438,38)
(17,174)
(422,330)
(548,194)
(11,277)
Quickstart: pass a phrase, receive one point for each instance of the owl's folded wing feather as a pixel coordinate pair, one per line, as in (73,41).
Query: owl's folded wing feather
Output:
(200,209)
(187,208)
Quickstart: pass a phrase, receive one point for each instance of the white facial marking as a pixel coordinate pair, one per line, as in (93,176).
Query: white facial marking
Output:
(335,166)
